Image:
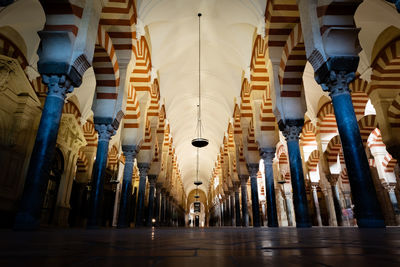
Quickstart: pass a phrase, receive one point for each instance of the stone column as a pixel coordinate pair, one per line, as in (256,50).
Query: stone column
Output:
(126,192)
(237,203)
(105,131)
(289,208)
(392,195)
(143,168)
(330,205)
(152,181)
(333,178)
(157,206)
(314,188)
(245,211)
(291,129)
(268,154)
(232,208)
(253,170)
(162,213)
(28,216)
(367,209)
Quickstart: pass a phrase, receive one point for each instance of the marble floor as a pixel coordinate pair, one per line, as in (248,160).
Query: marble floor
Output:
(202,247)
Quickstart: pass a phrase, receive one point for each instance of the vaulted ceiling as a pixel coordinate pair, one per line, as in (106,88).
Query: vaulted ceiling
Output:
(228,29)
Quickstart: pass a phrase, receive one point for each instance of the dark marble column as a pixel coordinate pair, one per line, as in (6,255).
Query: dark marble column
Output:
(143,169)
(253,170)
(245,211)
(268,154)
(232,207)
(126,192)
(105,131)
(333,178)
(291,129)
(367,209)
(314,187)
(157,214)
(162,212)
(28,216)
(152,182)
(237,204)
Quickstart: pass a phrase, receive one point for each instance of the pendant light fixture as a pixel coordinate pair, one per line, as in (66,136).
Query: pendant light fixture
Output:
(199,141)
(197,182)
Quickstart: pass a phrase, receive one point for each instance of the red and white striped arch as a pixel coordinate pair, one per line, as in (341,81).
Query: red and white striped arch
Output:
(367,124)
(90,134)
(292,64)
(9,49)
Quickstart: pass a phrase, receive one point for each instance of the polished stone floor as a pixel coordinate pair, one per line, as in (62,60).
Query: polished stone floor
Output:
(202,247)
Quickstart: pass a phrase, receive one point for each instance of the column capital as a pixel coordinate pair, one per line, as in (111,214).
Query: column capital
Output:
(143,168)
(253,169)
(337,82)
(291,129)
(130,152)
(267,154)
(243,179)
(332,178)
(236,186)
(159,186)
(314,186)
(152,179)
(105,131)
(58,85)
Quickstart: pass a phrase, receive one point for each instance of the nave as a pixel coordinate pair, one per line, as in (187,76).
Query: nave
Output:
(297,104)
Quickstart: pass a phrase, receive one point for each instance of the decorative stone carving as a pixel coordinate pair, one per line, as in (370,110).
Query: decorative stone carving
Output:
(253,169)
(291,129)
(58,85)
(70,134)
(338,82)
(105,131)
(6,68)
(267,154)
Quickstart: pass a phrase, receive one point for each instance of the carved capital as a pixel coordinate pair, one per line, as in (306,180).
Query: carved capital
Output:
(253,169)
(159,186)
(152,179)
(58,85)
(129,153)
(291,129)
(236,186)
(337,82)
(243,179)
(143,168)
(314,186)
(105,132)
(267,154)
(6,68)
(332,178)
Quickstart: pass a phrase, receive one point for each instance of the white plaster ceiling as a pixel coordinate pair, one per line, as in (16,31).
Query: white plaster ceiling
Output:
(228,28)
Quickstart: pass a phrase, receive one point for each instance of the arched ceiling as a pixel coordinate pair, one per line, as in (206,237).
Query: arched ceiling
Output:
(227,31)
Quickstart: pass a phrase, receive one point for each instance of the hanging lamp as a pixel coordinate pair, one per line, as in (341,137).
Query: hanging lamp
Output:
(199,141)
(197,182)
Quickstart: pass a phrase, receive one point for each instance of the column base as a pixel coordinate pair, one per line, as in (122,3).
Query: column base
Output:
(26,222)
(370,223)
(62,214)
(303,225)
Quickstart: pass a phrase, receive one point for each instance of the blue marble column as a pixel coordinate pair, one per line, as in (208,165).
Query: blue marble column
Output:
(245,211)
(105,132)
(291,129)
(268,154)
(237,204)
(367,209)
(152,182)
(126,193)
(28,216)
(143,169)
(253,170)
(157,214)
